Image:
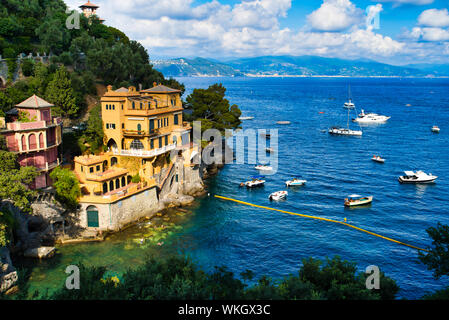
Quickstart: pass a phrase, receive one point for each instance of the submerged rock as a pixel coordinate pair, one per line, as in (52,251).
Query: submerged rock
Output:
(8,274)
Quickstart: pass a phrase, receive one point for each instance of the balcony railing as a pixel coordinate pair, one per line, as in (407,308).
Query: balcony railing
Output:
(140,133)
(144,153)
(48,165)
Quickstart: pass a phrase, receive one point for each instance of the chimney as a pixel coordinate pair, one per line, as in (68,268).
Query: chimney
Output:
(109,88)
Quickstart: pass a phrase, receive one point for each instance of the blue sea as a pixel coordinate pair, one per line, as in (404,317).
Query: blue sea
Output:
(273,243)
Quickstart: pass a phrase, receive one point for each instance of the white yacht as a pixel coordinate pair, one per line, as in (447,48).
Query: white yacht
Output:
(370,118)
(417,177)
(278,195)
(345,131)
(246,118)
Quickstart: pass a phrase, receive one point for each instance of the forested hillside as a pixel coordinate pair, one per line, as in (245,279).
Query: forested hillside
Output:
(80,58)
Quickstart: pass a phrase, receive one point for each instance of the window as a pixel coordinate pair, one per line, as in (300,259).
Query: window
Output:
(152,144)
(91,169)
(117,184)
(107,125)
(106,107)
(139,127)
(166,140)
(160,142)
(113,125)
(134,105)
(82,168)
(98,168)
(176,120)
(113,107)
(136,144)
(123,181)
(175,139)
(122,106)
(123,126)
(111,185)
(141,106)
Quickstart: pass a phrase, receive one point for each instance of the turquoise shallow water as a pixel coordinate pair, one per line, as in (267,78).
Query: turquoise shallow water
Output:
(223,233)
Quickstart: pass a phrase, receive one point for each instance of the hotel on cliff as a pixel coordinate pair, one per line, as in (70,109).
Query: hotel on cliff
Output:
(149,156)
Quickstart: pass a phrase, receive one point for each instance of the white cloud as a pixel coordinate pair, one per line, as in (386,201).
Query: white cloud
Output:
(414,2)
(335,15)
(430,34)
(253,28)
(434,18)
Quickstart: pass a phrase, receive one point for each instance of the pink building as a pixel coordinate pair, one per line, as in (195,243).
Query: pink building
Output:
(34,135)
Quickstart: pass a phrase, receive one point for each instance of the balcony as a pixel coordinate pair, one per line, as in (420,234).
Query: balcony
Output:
(48,166)
(144,153)
(140,133)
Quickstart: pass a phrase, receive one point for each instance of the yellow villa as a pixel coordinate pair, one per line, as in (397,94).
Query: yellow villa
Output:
(149,156)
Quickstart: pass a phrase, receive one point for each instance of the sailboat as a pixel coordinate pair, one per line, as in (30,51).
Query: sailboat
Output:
(349,104)
(345,131)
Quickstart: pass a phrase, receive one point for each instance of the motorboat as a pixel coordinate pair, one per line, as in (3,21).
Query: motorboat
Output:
(295,182)
(269,150)
(254,182)
(246,118)
(378,159)
(283,122)
(417,177)
(435,129)
(263,168)
(278,195)
(345,131)
(370,118)
(354,200)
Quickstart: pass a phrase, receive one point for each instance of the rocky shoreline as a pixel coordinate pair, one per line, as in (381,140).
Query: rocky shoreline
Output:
(51,224)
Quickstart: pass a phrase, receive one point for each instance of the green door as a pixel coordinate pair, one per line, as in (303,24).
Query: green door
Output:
(92,217)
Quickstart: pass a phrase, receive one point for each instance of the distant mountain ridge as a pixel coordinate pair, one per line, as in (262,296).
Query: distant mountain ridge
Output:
(294,66)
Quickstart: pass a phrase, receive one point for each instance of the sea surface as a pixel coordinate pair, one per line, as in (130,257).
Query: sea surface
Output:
(215,232)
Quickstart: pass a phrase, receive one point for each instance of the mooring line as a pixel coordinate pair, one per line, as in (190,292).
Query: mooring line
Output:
(322,219)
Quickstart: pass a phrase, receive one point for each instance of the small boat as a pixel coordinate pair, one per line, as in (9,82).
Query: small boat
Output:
(278,195)
(295,182)
(345,131)
(254,182)
(269,150)
(246,118)
(378,159)
(435,129)
(283,122)
(349,104)
(357,200)
(370,118)
(417,177)
(263,168)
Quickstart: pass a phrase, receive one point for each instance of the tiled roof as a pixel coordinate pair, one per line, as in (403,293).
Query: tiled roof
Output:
(89,5)
(34,102)
(122,89)
(161,89)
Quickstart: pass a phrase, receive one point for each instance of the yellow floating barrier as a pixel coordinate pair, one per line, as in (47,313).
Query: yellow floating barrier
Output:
(322,219)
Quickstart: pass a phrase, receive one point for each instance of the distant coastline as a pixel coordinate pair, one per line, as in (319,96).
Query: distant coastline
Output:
(307,76)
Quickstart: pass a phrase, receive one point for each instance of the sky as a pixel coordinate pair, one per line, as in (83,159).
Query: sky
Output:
(391,31)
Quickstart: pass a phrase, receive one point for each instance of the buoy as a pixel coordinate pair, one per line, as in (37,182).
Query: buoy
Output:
(345,220)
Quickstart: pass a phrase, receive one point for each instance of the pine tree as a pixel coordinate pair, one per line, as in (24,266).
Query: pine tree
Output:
(60,93)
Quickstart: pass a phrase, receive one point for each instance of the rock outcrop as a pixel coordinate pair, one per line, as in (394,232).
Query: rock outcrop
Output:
(8,274)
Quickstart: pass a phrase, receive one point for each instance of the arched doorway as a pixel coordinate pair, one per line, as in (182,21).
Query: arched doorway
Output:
(92,217)
(112,144)
(105,187)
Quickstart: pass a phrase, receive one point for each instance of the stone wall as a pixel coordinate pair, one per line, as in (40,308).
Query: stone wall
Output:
(120,213)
